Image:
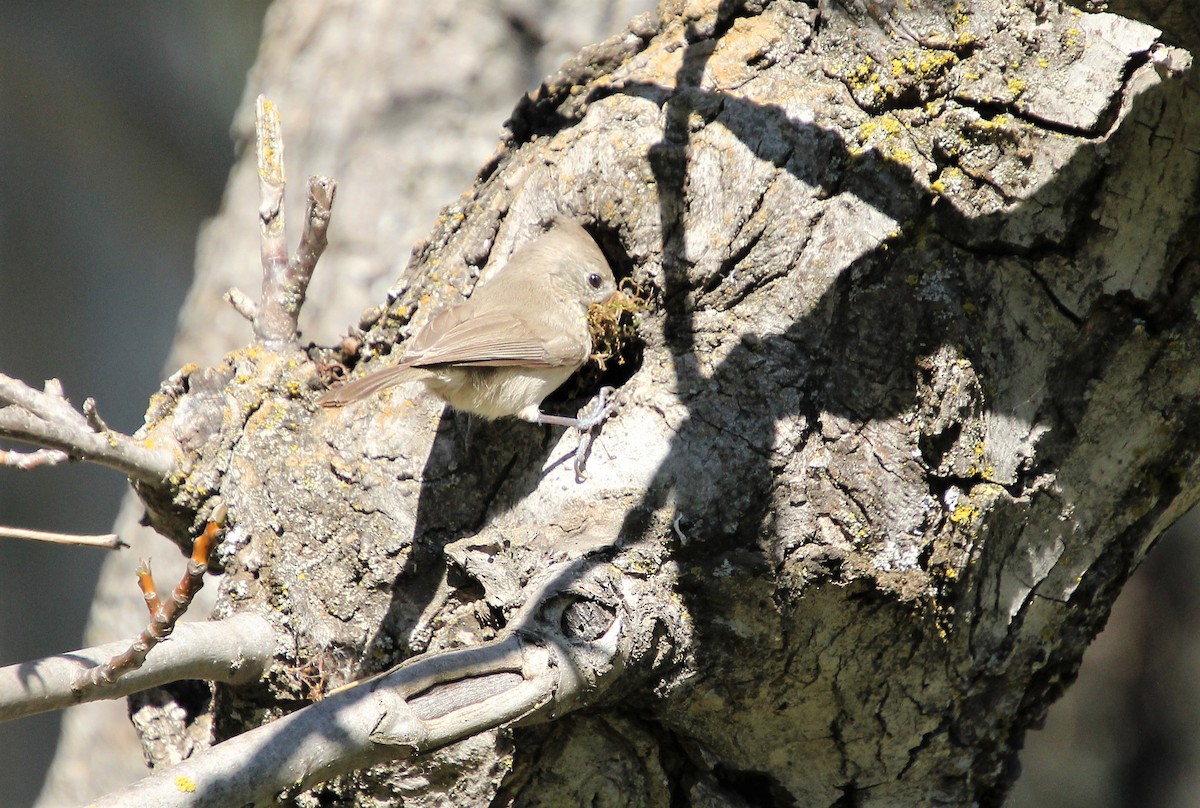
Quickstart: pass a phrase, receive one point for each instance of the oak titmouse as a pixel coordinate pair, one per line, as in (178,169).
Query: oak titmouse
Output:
(519,336)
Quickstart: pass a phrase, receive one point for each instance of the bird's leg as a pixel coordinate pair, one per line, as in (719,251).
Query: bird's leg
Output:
(585,424)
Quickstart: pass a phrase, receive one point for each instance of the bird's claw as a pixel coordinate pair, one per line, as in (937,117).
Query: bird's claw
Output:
(603,408)
(587,424)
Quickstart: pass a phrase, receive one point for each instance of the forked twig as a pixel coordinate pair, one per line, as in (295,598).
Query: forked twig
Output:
(284,282)
(45,418)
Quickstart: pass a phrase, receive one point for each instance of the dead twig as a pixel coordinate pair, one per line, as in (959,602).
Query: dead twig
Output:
(26,461)
(45,418)
(284,282)
(107,541)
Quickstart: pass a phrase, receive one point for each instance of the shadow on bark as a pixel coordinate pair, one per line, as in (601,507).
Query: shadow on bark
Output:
(957,659)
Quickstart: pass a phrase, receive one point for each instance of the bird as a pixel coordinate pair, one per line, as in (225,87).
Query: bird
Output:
(515,340)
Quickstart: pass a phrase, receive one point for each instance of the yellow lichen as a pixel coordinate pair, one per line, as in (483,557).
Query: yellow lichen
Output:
(964,514)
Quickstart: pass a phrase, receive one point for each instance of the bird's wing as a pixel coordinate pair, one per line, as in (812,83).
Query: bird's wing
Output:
(359,389)
(495,339)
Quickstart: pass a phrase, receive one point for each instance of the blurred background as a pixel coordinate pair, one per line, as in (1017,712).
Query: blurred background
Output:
(115,146)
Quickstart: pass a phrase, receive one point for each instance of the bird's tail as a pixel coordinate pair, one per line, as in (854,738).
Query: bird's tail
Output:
(368,385)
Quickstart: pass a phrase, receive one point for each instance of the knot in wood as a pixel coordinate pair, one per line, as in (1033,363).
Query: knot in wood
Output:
(584,619)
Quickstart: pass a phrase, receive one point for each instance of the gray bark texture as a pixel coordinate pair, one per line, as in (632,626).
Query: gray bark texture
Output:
(914,395)
(401,102)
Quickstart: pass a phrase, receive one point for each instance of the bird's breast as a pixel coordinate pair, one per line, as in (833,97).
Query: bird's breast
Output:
(496,392)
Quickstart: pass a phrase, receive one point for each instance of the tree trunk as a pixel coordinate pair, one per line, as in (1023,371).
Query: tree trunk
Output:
(914,396)
(426,97)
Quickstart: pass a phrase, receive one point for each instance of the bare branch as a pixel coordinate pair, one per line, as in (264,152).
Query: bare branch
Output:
(163,614)
(284,283)
(527,674)
(25,461)
(149,590)
(47,419)
(271,324)
(112,449)
(314,239)
(235,650)
(107,541)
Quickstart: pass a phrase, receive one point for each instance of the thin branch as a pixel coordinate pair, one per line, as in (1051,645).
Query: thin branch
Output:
(107,541)
(26,461)
(149,590)
(271,324)
(284,283)
(163,614)
(235,650)
(313,241)
(112,449)
(47,419)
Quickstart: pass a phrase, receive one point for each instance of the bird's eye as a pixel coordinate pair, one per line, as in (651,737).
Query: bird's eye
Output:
(595,280)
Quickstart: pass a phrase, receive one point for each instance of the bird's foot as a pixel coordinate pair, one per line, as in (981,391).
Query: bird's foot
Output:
(587,425)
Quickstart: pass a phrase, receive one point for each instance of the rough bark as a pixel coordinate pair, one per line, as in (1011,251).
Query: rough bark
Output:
(404,125)
(1179,20)
(915,396)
